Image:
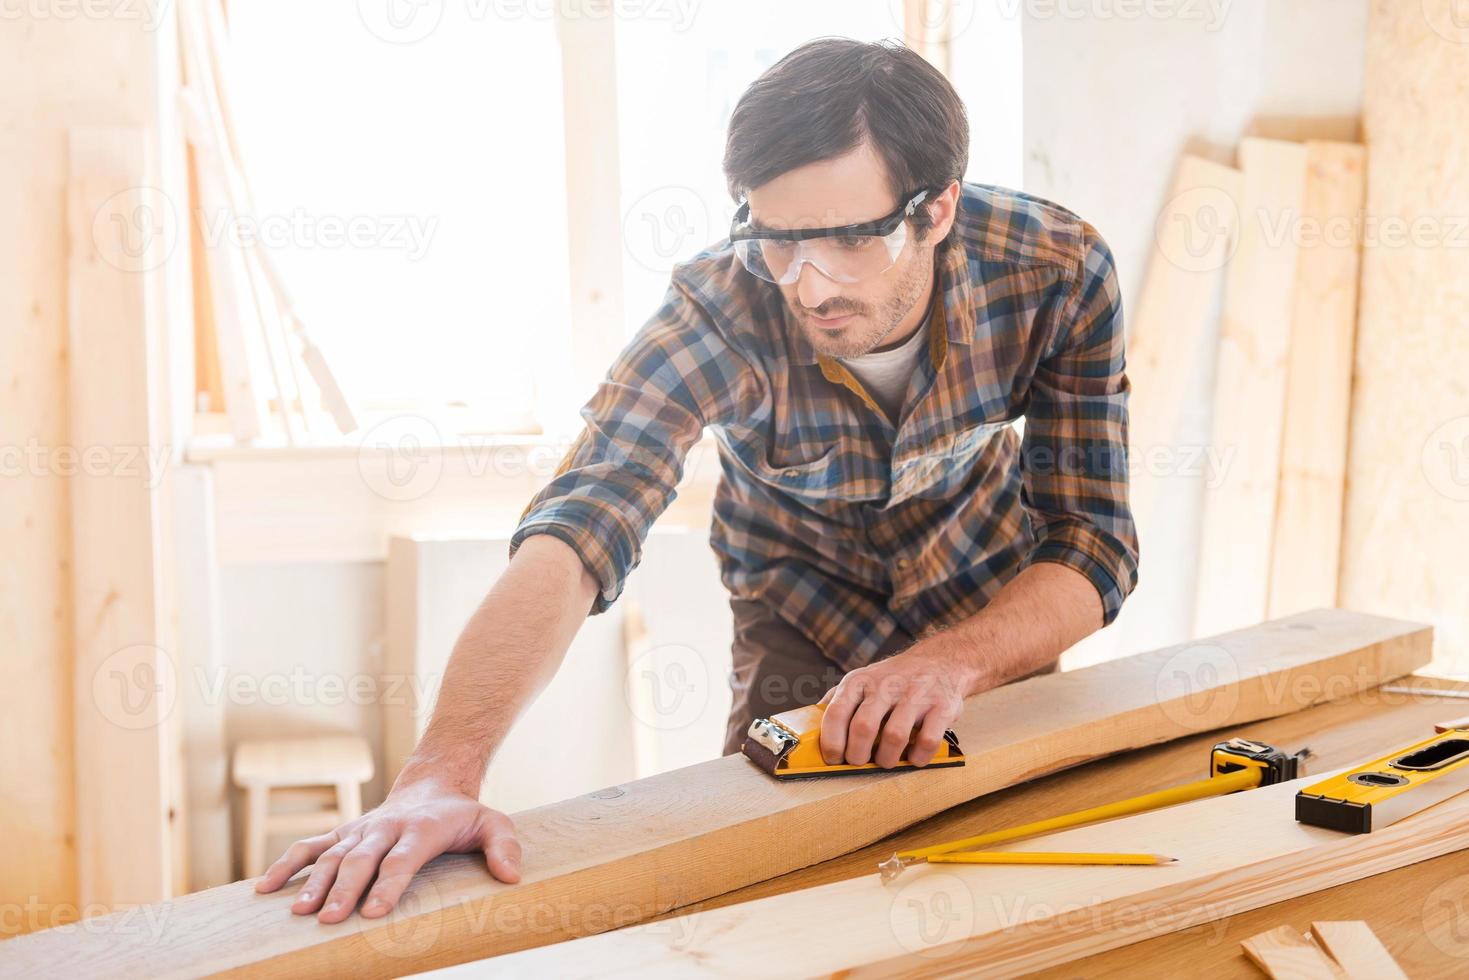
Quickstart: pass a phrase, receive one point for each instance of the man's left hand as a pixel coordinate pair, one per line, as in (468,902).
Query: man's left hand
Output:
(872,715)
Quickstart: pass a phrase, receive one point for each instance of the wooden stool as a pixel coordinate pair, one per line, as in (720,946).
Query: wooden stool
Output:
(340,761)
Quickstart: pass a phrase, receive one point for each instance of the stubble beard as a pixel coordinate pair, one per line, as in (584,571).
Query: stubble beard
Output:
(875,329)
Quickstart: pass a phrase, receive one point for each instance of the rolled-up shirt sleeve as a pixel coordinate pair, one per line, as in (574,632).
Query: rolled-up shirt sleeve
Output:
(623,468)
(1074,453)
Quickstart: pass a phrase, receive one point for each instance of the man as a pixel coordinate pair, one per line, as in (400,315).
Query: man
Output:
(859,347)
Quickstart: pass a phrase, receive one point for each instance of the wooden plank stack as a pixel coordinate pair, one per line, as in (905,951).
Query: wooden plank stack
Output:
(1281,235)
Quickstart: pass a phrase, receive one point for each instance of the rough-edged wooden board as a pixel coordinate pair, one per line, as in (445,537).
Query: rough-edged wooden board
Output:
(1306,545)
(124,681)
(1249,389)
(1358,951)
(622,854)
(1193,236)
(1405,532)
(1284,953)
(1003,921)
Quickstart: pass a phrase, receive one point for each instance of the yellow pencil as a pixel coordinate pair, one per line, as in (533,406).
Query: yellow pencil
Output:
(1046,857)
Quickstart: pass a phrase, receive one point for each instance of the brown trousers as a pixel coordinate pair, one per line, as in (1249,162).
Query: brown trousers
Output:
(776,667)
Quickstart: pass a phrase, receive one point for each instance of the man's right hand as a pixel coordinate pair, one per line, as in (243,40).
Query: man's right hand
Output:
(417,822)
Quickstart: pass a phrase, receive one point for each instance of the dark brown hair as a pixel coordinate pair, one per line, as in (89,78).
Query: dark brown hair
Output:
(827,96)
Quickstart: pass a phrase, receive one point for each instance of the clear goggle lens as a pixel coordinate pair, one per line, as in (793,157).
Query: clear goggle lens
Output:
(841,258)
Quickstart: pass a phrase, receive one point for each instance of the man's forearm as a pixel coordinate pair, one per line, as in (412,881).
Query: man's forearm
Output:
(1037,615)
(507,652)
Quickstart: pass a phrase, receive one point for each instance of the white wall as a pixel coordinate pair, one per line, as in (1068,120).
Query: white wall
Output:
(1110,104)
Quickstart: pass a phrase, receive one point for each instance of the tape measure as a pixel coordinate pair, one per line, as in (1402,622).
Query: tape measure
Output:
(1386,790)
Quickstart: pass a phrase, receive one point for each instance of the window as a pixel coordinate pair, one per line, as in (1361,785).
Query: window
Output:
(410,173)
(444,153)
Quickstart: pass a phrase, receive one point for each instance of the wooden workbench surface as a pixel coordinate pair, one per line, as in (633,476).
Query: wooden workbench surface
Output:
(1421,912)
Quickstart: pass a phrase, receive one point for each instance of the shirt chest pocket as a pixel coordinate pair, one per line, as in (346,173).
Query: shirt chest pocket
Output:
(939,470)
(833,472)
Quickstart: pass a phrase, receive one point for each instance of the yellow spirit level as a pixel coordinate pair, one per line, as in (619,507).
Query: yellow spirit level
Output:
(1386,790)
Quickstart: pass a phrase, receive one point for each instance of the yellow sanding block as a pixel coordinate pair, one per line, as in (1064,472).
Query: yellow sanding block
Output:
(788,746)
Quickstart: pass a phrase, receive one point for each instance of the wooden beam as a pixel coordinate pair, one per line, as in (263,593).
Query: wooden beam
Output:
(1403,541)
(619,855)
(124,680)
(1283,953)
(595,245)
(1234,853)
(1194,236)
(1358,951)
(202,666)
(1249,396)
(1306,545)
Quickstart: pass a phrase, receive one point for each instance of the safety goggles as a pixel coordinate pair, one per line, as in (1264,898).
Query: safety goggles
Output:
(849,253)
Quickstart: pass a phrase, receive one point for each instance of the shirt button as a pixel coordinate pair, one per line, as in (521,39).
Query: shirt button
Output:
(904,563)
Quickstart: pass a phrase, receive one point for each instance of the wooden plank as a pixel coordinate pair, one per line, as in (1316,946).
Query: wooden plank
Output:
(202,666)
(1005,921)
(1179,300)
(1249,399)
(1285,954)
(1357,949)
(38,872)
(619,855)
(124,681)
(595,246)
(1306,544)
(1403,540)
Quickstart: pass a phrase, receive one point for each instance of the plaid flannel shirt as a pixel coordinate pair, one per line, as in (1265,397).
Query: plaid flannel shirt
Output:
(839,520)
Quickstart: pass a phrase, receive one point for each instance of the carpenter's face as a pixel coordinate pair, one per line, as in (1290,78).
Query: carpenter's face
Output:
(847,319)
